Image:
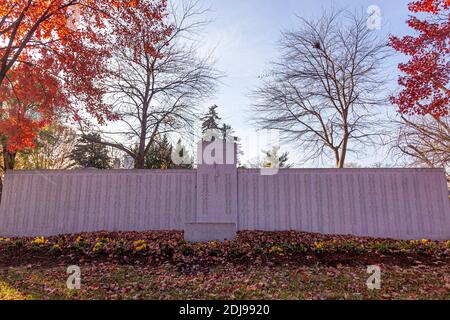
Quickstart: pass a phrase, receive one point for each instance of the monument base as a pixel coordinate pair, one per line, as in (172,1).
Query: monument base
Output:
(209,231)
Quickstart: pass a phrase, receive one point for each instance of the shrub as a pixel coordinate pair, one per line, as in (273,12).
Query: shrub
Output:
(18,243)
(346,246)
(214,252)
(299,248)
(167,251)
(382,247)
(121,246)
(236,252)
(186,249)
(258,250)
(80,243)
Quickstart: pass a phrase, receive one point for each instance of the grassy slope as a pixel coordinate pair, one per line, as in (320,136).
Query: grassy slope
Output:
(111,281)
(257,265)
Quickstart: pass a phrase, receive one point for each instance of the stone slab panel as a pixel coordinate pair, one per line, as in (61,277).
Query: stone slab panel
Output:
(44,203)
(204,232)
(385,203)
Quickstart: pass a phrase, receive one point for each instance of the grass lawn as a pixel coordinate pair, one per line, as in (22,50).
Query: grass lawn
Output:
(110,281)
(254,266)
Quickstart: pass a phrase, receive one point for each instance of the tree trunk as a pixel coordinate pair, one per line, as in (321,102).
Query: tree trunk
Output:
(9,160)
(341,163)
(140,156)
(140,161)
(336,157)
(343,154)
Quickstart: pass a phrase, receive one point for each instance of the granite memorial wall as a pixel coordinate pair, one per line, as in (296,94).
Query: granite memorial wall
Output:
(217,199)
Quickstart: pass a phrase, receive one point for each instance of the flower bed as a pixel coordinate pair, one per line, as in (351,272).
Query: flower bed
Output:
(257,265)
(249,247)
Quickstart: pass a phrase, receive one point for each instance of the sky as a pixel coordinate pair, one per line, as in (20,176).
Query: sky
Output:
(242,36)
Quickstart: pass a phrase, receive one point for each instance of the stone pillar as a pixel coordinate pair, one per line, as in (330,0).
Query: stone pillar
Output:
(216,193)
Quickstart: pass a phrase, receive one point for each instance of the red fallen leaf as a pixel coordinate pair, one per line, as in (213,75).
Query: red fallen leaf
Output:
(94,287)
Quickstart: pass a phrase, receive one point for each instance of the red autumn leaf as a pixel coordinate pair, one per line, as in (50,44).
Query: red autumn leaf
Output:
(53,57)
(426,75)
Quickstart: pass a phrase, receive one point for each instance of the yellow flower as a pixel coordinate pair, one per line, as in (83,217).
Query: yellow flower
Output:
(319,245)
(140,245)
(39,241)
(138,242)
(98,246)
(141,248)
(424,241)
(4,239)
(276,249)
(447,244)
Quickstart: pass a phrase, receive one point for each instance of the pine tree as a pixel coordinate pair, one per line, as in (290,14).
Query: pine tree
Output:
(87,154)
(159,155)
(229,135)
(210,120)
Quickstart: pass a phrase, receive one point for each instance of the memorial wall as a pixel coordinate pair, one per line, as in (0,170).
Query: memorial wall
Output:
(394,203)
(55,202)
(217,199)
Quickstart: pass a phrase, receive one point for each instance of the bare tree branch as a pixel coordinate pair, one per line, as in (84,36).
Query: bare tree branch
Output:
(424,140)
(322,92)
(159,93)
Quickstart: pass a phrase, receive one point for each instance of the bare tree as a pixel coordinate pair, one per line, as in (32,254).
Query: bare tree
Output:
(323,92)
(53,147)
(424,140)
(158,93)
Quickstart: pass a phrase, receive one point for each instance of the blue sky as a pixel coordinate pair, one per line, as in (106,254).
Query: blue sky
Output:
(243,35)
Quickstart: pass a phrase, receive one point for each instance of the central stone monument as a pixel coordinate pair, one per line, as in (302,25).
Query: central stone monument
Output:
(217,206)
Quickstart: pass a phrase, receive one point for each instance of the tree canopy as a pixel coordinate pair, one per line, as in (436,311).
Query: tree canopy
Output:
(425,79)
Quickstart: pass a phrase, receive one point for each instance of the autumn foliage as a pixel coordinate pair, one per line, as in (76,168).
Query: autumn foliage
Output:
(427,73)
(29,104)
(54,56)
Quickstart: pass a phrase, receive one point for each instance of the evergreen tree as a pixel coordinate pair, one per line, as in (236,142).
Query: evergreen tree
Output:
(159,155)
(87,154)
(229,135)
(210,120)
(224,132)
